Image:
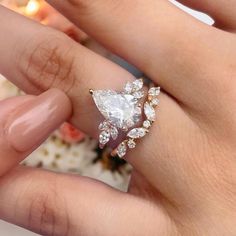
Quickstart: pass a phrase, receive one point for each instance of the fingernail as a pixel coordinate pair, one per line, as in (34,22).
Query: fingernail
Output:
(34,121)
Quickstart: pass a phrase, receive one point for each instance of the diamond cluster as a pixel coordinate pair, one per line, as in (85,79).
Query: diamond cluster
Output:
(137,133)
(121,110)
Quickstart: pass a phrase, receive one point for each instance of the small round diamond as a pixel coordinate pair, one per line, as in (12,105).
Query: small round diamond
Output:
(138,94)
(104,125)
(131,144)
(154,91)
(146,124)
(154,102)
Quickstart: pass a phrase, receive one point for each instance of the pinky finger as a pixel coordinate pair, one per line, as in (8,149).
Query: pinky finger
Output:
(25,122)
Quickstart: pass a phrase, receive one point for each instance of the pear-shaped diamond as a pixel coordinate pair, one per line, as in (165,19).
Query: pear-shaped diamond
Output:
(119,108)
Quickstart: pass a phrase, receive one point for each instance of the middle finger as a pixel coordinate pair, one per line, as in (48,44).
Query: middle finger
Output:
(171,47)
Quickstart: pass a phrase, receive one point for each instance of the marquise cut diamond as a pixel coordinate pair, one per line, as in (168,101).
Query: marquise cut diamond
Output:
(149,112)
(137,133)
(138,84)
(114,133)
(121,150)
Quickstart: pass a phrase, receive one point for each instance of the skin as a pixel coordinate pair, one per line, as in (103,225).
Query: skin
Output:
(184,176)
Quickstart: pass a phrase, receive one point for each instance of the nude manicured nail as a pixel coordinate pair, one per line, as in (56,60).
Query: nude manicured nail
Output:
(33,122)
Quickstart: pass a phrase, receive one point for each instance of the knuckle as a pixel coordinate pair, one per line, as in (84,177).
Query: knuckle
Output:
(47,212)
(89,7)
(48,62)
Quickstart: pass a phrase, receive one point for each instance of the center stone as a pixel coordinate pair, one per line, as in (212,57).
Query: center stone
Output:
(120,109)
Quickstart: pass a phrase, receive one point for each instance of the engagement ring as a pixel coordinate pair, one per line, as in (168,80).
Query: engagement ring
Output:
(123,111)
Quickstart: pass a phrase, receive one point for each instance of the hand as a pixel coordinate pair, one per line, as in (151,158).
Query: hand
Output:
(184,175)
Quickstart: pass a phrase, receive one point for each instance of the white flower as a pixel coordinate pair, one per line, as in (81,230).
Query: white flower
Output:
(57,155)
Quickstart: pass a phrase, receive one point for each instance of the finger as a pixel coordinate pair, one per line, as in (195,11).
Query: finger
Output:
(26,122)
(163,158)
(177,159)
(223,12)
(55,61)
(53,204)
(51,17)
(176,52)
(173,50)
(44,58)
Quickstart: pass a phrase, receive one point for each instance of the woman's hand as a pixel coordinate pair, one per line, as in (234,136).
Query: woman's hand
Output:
(184,175)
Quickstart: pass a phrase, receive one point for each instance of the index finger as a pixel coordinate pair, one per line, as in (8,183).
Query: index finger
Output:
(36,58)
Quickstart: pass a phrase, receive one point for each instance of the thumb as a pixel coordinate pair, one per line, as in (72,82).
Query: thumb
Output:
(25,122)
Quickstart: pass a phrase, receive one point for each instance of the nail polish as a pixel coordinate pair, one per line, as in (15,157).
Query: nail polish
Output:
(34,121)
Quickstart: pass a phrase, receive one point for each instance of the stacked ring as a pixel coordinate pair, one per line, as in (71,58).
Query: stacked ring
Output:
(123,111)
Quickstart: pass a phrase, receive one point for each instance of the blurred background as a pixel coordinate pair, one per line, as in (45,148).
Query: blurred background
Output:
(68,149)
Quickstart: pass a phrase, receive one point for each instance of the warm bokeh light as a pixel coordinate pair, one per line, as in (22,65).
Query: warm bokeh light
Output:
(32,7)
